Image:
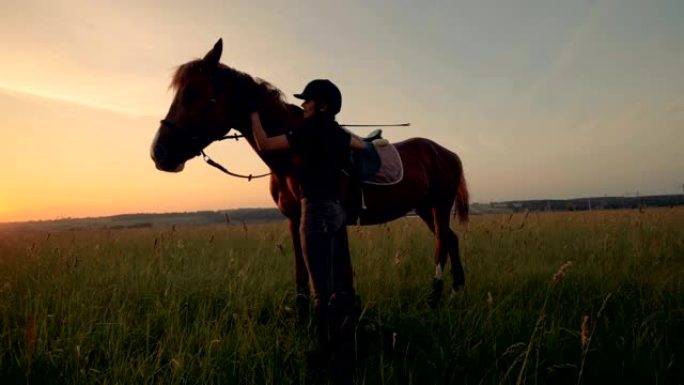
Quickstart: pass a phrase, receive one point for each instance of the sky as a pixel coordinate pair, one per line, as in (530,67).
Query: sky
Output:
(540,99)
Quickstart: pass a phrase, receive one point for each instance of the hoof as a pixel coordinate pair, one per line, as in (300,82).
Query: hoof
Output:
(436,294)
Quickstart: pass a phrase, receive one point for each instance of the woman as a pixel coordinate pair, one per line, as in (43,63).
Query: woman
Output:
(320,148)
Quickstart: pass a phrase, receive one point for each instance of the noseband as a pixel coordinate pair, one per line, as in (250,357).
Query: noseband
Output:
(195,141)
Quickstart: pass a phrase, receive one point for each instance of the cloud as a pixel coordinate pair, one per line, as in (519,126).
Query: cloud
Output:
(67,99)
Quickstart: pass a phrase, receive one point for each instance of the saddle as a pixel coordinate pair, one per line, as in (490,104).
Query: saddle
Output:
(379,164)
(367,162)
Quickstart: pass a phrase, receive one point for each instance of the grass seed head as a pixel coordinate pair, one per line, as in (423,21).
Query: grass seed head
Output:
(584,334)
(560,274)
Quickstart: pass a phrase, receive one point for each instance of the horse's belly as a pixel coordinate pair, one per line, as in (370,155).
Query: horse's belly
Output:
(386,203)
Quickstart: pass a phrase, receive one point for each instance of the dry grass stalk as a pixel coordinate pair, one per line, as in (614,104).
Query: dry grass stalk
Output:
(560,274)
(584,334)
(30,341)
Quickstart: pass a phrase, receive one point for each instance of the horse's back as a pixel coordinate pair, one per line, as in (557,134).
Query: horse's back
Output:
(430,158)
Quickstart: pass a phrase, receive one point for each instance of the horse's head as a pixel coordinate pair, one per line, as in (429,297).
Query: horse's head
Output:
(210,99)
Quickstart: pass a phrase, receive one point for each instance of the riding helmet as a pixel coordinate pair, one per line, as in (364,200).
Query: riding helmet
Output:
(325,91)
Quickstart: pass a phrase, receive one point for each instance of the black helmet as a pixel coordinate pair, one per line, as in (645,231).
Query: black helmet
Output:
(325,91)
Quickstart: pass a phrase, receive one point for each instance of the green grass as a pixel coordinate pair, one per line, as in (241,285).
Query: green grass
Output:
(213,304)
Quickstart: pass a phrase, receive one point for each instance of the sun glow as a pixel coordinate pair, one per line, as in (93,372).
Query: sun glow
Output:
(5,210)
(71,160)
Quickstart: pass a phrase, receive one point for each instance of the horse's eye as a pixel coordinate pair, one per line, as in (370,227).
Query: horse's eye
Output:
(190,95)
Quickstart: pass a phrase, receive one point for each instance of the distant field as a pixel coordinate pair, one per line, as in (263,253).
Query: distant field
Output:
(204,305)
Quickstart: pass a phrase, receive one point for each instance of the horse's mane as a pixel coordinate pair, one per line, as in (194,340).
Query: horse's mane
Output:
(271,99)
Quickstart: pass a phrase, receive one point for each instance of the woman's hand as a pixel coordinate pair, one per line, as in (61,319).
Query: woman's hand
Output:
(263,142)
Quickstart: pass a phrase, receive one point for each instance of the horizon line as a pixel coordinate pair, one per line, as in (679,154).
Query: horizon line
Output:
(275,208)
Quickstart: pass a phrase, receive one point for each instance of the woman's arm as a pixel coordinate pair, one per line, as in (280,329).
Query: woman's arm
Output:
(264,142)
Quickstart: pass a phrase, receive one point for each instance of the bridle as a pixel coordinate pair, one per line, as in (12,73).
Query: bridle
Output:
(197,142)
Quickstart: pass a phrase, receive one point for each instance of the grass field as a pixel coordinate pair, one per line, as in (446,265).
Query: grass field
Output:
(205,305)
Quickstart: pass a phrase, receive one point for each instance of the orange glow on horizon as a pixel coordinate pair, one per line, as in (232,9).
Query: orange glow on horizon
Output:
(67,160)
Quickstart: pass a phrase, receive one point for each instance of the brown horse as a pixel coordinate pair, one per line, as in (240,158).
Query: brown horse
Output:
(212,98)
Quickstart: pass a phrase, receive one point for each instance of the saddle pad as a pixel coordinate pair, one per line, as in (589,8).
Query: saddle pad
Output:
(391,168)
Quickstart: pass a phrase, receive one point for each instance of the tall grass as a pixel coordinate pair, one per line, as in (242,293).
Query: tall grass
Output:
(214,304)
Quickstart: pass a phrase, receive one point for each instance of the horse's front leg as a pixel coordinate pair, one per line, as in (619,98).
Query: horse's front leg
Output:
(301,273)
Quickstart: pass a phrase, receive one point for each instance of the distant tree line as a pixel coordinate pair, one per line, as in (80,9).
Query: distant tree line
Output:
(595,203)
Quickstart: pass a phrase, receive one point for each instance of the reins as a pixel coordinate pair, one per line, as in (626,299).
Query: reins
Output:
(220,167)
(213,163)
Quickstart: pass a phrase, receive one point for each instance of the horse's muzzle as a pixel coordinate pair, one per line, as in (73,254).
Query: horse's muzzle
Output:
(158,153)
(163,161)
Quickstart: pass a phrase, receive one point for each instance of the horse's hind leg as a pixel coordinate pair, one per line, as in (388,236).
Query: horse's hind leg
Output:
(456,265)
(450,240)
(427,215)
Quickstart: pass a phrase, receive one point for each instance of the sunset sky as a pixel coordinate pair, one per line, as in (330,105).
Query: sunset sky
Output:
(541,99)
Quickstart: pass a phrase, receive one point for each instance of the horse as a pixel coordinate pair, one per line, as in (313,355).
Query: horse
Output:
(212,98)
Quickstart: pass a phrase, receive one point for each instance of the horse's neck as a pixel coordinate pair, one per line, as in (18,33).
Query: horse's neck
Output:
(276,120)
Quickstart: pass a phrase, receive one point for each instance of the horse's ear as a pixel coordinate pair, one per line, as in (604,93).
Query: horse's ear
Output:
(212,57)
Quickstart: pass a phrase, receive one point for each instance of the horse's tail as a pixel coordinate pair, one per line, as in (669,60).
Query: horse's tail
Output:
(462,199)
